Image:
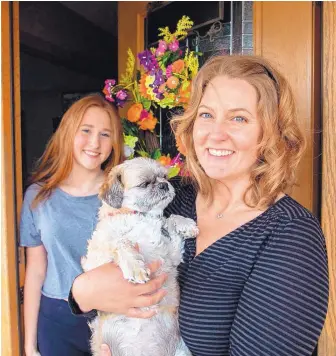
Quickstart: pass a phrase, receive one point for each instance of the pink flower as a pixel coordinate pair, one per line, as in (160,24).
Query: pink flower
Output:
(169,71)
(121,95)
(162,46)
(110,82)
(109,98)
(174,46)
(159,53)
(143,115)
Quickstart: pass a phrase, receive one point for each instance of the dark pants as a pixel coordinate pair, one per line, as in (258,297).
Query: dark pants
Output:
(59,332)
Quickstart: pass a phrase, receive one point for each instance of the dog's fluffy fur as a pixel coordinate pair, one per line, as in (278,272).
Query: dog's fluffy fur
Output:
(139,185)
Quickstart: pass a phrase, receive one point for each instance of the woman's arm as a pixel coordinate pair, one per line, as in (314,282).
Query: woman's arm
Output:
(284,302)
(104,288)
(35,275)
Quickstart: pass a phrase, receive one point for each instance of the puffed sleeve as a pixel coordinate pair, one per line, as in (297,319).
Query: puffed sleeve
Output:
(283,305)
(29,234)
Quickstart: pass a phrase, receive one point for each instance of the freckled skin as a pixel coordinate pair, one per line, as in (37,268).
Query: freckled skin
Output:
(227,119)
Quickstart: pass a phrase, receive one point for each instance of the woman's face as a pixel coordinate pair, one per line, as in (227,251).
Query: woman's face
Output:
(93,142)
(227,129)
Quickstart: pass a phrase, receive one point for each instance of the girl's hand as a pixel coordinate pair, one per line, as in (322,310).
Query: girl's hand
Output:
(32,351)
(105,289)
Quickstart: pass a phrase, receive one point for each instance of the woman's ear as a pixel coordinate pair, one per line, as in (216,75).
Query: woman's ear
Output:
(112,191)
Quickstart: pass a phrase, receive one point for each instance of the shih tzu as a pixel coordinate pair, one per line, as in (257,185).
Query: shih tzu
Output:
(140,189)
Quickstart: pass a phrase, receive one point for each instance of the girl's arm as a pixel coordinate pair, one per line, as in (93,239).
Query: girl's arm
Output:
(35,275)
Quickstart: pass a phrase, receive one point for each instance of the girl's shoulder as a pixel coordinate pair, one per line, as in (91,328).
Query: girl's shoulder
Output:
(32,191)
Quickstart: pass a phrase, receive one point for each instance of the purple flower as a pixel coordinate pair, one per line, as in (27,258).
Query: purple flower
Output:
(148,61)
(121,95)
(174,46)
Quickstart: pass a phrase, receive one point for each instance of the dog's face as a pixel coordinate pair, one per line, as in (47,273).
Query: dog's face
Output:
(140,184)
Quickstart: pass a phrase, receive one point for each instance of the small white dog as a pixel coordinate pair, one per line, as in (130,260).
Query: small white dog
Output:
(139,186)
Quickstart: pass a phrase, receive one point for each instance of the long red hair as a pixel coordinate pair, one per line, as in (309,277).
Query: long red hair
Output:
(56,162)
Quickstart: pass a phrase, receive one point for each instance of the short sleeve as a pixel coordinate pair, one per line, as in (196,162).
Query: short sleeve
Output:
(29,234)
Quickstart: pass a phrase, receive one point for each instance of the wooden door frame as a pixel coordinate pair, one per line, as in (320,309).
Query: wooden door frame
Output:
(11,180)
(327,343)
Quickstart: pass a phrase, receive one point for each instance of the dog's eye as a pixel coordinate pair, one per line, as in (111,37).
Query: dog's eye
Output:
(144,185)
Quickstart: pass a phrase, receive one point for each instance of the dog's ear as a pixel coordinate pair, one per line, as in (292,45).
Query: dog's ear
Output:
(112,191)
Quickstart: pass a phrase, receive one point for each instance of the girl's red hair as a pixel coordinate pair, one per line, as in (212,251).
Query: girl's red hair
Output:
(56,162)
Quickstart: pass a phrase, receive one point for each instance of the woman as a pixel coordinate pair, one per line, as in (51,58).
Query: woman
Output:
(58,217)
(255,280)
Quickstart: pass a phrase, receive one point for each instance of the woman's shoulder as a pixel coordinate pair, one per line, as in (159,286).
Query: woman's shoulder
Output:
(297,222)
(184,200)
(293,212)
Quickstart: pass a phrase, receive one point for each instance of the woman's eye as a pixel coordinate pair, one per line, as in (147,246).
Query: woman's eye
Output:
(104,134)
(239,119)
(85,130)
(205,115)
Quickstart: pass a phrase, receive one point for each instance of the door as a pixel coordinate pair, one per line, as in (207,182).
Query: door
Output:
(12,258)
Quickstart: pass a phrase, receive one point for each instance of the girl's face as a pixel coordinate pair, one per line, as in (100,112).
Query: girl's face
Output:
(93,139)
(227,129)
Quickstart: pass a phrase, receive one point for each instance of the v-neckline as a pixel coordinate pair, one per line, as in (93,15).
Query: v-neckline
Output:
(234,231)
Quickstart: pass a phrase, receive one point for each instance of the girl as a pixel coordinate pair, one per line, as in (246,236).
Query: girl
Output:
(58,217)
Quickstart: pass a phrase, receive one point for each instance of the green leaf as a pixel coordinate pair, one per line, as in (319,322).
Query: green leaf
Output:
(143,153)
(146,103)
(130,140)
(156,154)
(173,172)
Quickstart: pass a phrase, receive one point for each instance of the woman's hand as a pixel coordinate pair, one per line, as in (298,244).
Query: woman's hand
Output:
(105,350)
(104,288)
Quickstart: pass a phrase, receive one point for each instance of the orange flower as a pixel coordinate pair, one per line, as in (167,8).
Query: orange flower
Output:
(172,82)
(143,88)
(178,66)
(183,96)
(165,160)
(162,88)
(180,146)
(148,123)
(133,113)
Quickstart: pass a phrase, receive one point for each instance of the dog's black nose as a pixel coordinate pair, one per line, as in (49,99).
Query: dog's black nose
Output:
(163,186)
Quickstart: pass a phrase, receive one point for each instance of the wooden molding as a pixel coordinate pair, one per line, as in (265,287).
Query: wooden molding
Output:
(327,343)
(131,17)
(9,302)
(287,40)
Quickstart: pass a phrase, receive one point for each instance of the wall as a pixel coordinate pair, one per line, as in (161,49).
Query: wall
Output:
(42,85)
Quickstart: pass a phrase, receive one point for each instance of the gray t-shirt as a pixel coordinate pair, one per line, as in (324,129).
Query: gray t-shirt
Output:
(63,224)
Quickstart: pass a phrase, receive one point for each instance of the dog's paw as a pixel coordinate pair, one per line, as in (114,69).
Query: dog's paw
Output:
(184,226)
(135,271)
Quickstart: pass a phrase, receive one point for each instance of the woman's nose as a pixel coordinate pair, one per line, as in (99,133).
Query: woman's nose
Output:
(220,131)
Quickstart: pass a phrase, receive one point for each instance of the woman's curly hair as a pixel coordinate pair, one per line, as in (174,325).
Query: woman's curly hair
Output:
(282,143)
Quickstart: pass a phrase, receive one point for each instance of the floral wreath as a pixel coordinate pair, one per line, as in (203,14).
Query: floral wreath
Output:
(163,81)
